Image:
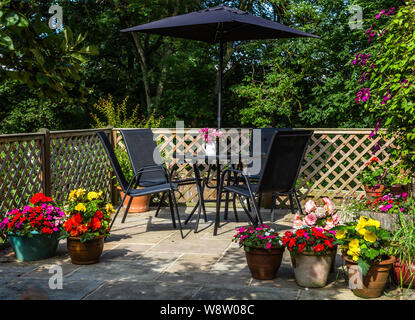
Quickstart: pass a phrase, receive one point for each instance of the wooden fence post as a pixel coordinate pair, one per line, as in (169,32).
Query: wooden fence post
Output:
(46,165)
(113,191)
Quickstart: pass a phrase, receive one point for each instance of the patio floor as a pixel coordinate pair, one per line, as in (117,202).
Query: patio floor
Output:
(145,258)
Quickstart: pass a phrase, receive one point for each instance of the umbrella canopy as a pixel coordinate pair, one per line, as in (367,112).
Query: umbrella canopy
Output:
(219,24)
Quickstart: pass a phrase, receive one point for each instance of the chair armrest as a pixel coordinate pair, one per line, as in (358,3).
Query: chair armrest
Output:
(146,169)
(237,172)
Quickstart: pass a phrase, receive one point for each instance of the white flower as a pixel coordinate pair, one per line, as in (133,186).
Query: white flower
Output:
(320,212)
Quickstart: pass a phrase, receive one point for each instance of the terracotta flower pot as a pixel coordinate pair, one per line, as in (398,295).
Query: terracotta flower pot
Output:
(88,252)
(311,270)
(398,189)
(139,204)
(404,273)
(371,191)
(264,264)
(374,282)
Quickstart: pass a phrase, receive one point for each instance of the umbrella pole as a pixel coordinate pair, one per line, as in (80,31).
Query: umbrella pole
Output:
(218,171)
(220,82)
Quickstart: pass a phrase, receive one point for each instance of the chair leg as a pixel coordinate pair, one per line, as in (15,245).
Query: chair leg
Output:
(235,212)
(290,197)
(218,201)
(177,212)
(247,212)
(273,205)
(258,217)
(126,210)
(248,204)
(298,203)
(118,210)
(225,217)
(172,211)
(161,202)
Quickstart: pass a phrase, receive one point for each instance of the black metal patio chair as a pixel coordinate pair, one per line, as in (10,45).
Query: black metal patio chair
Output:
(130,188)
(142,151)
(278,175)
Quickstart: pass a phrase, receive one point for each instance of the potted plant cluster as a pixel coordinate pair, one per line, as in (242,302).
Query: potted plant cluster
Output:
(263,250)
(399,182)
(312,251)
(373,177)
(33,230)
(87,224)
(323,217)
(403,248)
(365,248)
(138,204)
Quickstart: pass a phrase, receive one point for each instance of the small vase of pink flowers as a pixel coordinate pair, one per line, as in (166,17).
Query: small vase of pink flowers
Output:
(209,140)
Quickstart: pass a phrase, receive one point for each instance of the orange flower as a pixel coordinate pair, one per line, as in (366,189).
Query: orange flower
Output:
(96,224)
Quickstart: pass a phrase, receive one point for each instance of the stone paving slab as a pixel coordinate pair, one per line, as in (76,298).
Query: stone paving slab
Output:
(38,289)
(144,290)
(147,268)
(146,258)
(244,293)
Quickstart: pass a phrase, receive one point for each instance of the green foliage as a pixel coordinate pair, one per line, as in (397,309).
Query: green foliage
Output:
(117,116)
(373,174)
(403,240)
(391,83)
(30,52)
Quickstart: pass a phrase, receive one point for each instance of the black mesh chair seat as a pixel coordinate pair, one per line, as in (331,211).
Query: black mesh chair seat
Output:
(154,182)
(241,189)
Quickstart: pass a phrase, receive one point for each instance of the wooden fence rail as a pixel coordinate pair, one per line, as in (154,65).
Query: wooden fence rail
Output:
(56,162)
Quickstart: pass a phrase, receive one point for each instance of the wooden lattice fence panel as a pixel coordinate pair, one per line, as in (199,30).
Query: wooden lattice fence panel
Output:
(21,161)
(78,160)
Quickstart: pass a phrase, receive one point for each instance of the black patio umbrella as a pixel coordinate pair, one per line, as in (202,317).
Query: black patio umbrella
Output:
(219,24)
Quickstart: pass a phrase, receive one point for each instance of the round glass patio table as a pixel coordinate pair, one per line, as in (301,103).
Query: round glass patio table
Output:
(219,159)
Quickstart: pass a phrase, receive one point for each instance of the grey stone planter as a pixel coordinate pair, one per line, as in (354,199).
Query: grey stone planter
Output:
(388,221)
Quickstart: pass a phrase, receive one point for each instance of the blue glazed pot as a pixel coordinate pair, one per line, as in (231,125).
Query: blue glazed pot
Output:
(36,247)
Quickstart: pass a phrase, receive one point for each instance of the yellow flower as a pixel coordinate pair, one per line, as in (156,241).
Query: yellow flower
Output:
(72,195)
(361,224)
(109,208)
(80,207)
(92,195)
(354,244)
(355,258)
(370,236)
(373,222)
(80,192)
(340,234)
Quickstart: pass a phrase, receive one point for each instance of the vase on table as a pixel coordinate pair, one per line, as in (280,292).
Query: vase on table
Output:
(210,148)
